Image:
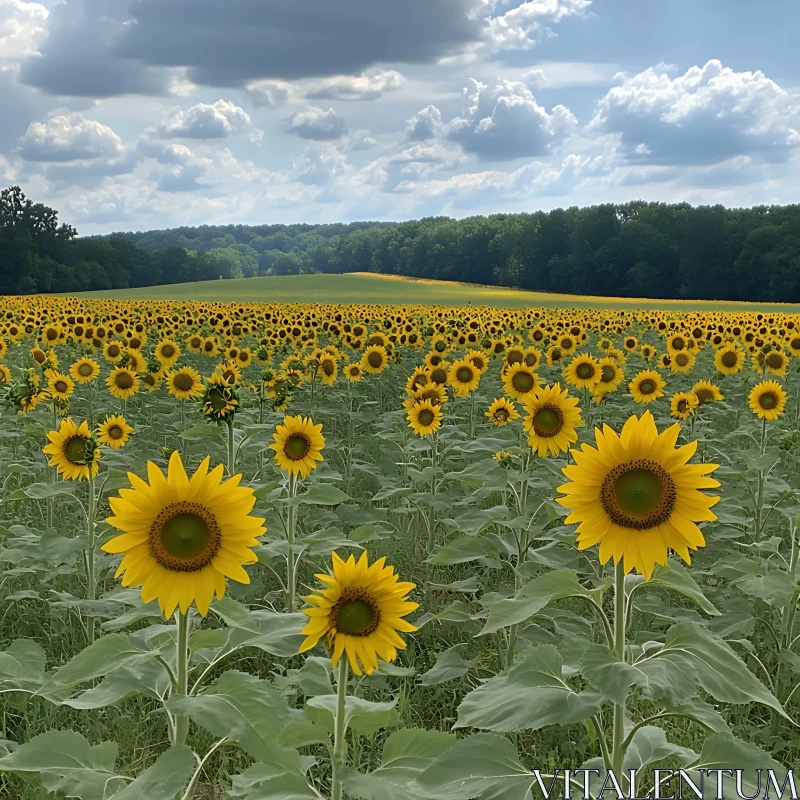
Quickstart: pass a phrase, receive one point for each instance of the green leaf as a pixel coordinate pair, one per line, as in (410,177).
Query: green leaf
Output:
(678,578)
(529,696)
(606,673)
(405,755)
(480,767)
(246,709)
(107,654)
(271,782)
(323,494)
(533,597)
(201,431)
(149,679)
(42,491)
(463,550)
(67,765)
(22,666)
(235,614)
(363,716)
(449,665)
(166,778)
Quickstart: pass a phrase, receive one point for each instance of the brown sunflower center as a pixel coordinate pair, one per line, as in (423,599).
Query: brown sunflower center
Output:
(328,367)
(439,375)
(167,351)
(638,494)
(548,421)
(60,386)
(297,446)
(683,406)
(115,432)
(464,375)
(585,371)
(523,382)
(768,400)
(774,360)
(113,350)
(85,370)
(375,359)
(124,380)
(184,537)
(678,343)
(729,359)
(182,382)
(355,613)
(607,374)
(426,417)
(704,395)
(75,449)
(51,334)
(501,415)
(40,356)
(647,387)
(681,359)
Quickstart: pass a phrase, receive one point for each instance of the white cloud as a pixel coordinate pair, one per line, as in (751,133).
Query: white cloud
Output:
(425,124)
(203,121)
(527,24)
(318,165)
(503,121)
(268,94)
(707,115)
(317,124)
(69,138)
(22,26)
(370,85)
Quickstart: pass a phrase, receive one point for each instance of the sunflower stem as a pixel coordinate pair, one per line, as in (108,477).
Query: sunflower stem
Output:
(91,579)
(432,510)
(231,447)
(618,731)
(339,760)
(291,522)
(182,673)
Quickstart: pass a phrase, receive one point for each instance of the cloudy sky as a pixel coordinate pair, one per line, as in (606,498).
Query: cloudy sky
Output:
(141,114)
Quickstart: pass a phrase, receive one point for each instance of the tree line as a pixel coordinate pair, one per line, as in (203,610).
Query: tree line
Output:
(634,249)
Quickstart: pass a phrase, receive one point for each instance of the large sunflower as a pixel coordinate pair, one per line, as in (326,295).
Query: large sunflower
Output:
(776,362)
(583,372)
(647,386)
(375,359)
(519,381)
(552,417)
(424,417)
(298,445)
(167,352)
(84,370)
(768,400)
(729,360)
(185,383)
(114,432)
(637,497)
(60,386)
(501,412)
(359,613)
(464,377)
(122,383)
(73,451)
(183,536)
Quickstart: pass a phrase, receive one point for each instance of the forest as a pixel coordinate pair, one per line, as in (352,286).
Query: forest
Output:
(635,249)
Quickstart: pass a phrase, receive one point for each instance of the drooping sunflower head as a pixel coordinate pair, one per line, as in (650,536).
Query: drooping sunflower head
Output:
(114,432)
(424,417)
(636,495)
(84,370)
(683,404)
(464,377)
(519,381)
(359,613)
(298,445)
(647,386)
(502,412)
(182,537)
(73,451)
(220,399)
(551,421)
(768,400)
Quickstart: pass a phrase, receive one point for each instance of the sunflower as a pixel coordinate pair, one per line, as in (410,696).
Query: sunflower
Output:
(353,372)
(84,370)
(501,412)
(683,405)
(359,612)
(183,536)
(60,386)
(122,383)
(74,452)
(424,417)
(114,432)
(706,392)
(464,377)
(39,356)
(768,400)
(551,420)
(637,497)
(776,362)
(583,372)
(220,399)
(185,383)
(630,343)
(611,376)
(328,369)
(648,352)
(5,374)
(298,445)
(729,360)
(519,381)
(646,386)
(374,359)
(113,351)
(682,362)
(478,360)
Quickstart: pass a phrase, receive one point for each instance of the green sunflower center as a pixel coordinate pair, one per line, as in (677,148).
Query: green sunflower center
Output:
(218,402)
(523,382)
(585,371)
(464,375)
(426,417)
(639,494)
(355,613)
(85,370)
(501,415)
(297,446)
(548,421)
(607,374)
(75,450)
(768,400)
(60,387)
(647,387)
(124,380)
(440,346)
(167,351)
(184,537)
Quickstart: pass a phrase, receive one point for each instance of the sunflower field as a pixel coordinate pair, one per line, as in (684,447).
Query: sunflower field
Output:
(286,552)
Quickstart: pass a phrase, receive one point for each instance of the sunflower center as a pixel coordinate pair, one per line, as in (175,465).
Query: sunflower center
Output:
(297,446)
(501,415)
(184,537)
(40,356)
(426,417)
(683,406)
(113,351)
(548,421)
(523,382)
(328,367)
(355,613)
(585,371)
(704,395)
(115,432)
(51,334)
(85,370)
(768,400)
(75,450)
(375,359)
(638,494)
(438,375)
(464,375)
(729,359)
(182,382)
(124,380)
(167,351)
(60,387)
(647,387)
(681,359)
(607,374)
(440,347)
(774,360)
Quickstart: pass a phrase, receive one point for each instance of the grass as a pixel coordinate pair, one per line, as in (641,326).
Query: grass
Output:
(360,287)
